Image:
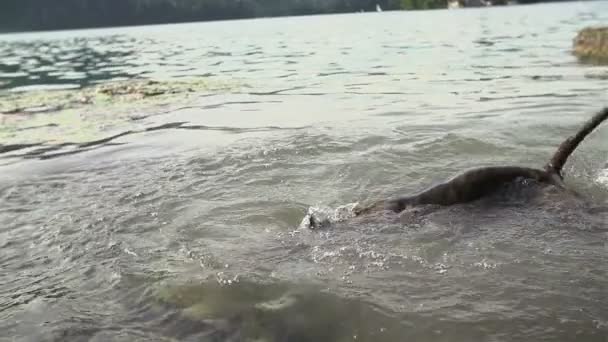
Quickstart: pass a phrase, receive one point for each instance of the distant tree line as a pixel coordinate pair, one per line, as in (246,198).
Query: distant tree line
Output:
(23,15)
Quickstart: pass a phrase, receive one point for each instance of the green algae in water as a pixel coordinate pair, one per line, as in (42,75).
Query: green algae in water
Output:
(82,115)
(62,126)
(109,93)
(282,311)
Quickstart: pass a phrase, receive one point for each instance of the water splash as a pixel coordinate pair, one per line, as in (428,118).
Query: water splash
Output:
(321,217)
(602,177)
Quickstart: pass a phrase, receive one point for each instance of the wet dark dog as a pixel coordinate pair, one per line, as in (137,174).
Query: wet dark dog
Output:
(476,183)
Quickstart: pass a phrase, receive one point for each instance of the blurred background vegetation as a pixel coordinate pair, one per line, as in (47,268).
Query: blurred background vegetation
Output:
(24,15)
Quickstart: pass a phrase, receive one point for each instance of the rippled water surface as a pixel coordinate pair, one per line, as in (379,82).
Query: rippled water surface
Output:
(181,222)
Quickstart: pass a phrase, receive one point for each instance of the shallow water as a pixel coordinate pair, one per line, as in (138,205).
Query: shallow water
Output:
(99,239)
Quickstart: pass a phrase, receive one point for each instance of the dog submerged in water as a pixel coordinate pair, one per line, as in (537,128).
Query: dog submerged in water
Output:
(476,183)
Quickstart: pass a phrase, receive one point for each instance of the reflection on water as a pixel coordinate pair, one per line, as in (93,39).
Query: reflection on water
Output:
(67,63)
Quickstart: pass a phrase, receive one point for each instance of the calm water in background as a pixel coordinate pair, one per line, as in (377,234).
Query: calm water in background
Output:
(336,109)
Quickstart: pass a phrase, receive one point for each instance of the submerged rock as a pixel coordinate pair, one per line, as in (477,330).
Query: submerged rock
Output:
(281,312)
(591,44)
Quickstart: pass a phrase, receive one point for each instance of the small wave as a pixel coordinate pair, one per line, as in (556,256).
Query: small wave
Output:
(323,74)
(546,77)
(451,144)
(218,54)
(276,92)
(49,151)
(545,95)
(484,42)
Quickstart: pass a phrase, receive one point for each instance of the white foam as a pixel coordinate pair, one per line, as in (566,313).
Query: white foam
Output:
(325,216)
(602,178)
(128,251)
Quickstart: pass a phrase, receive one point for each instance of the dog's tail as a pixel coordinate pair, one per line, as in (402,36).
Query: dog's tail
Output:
(557,162)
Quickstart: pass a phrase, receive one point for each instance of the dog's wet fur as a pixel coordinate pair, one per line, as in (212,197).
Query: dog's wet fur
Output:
(479,182)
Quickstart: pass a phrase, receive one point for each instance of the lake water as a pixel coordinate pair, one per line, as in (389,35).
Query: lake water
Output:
(185,227)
